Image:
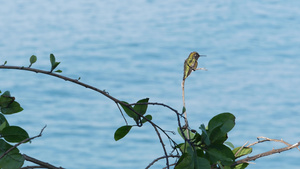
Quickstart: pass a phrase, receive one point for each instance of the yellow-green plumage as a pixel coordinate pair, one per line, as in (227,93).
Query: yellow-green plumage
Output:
(190,64)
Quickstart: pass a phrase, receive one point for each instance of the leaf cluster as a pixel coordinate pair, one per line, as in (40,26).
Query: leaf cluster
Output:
(10,134)
(136,112)
(209,149)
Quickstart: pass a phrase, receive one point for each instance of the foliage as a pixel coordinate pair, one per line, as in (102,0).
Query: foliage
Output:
(10,134)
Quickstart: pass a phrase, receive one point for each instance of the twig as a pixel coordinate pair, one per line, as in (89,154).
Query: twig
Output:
(41,163)
(269,139)
(163,146)
(252,158)
(28,139)
(121,113)
(31,167)
(160,104)
(241,149)
(162,157)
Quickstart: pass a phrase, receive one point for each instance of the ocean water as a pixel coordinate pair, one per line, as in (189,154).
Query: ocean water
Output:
(136,49)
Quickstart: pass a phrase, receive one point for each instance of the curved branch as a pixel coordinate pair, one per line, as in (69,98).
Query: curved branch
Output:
(60,77)
(103,92)
(76,81)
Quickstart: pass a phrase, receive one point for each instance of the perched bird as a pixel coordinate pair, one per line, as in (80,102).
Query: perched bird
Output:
(190,64)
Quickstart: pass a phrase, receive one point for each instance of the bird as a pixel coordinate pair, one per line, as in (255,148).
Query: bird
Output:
(190,64)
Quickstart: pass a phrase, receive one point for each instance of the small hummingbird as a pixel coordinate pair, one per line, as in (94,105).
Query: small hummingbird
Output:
(190,64)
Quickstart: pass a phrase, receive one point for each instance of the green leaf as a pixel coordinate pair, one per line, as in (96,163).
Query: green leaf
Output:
(197,139)
(6,93)
(5,99)
(3,123)
(227,167)
(12,108)
(54,64)
(241,166)
(14,134)
(141,108)
(129,112)
(190,160)
(8,105)
(244,151)
(204,135)
(202,163)
(224,120)
(52,59)
(185,162)
(183,109)
(33,59)
(58,71)
(12,160)
(186,132)
(122,132)
(219,126)
(229,144)
(149,117)
(220,152)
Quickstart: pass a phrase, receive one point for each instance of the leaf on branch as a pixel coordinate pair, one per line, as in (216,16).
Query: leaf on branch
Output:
(220,152)
(241,166)
(190,159)
(8,105)
(12,160)
(244,151)
(219,126)
(12,108)
(6,99)
(3,123)
(141,108)
(32,60)
(229,144)
(54,64)
(187,133)
(129,112)
(204,135)
(183,109)
(58,71)
(149,117)
(122,132)
(14,134)
(52,59)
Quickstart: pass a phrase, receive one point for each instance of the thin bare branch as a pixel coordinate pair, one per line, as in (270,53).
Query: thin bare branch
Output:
(273,151)
(160,158)
(26,140)
(41,163)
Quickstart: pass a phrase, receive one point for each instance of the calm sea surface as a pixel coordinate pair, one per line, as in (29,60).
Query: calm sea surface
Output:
(136,49)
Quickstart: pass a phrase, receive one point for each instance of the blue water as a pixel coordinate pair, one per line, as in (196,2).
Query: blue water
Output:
(136,49)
